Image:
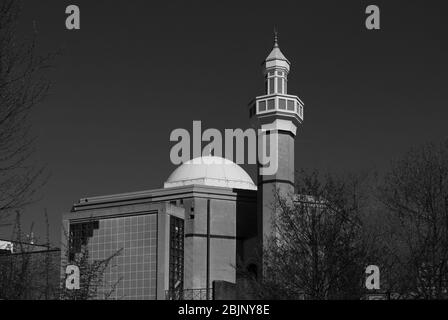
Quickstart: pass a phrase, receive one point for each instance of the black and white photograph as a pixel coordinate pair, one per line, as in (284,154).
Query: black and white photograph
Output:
(223,156)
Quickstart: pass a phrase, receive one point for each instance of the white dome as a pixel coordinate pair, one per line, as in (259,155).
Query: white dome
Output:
(211,171)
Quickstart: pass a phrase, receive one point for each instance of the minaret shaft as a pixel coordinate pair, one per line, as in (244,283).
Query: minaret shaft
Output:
(279,114)
(281,183)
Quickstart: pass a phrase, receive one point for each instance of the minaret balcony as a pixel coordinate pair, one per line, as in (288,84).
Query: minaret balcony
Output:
(277,103)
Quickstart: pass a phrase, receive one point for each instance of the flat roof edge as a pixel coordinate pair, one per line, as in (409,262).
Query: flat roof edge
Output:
(157,193)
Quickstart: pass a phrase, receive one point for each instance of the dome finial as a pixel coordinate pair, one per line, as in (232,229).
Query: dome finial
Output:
(275,37)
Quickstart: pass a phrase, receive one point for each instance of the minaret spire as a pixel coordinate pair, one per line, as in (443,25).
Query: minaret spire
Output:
(275,37)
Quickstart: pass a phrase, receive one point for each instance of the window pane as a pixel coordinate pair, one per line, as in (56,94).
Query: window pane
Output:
(271,86)
(291,105)
(279,85)
(282,104)
(176,254)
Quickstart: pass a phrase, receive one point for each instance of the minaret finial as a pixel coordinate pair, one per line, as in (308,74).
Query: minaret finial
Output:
(275,37)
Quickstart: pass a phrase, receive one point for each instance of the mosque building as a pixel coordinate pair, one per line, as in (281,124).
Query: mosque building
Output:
(208,219)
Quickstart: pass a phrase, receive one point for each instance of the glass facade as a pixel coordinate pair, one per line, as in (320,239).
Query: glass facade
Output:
(133,273)
(80,234)
(176,275)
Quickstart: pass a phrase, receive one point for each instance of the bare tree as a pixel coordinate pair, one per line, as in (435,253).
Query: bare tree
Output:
(319,248)
(28,273)
(33,272)
(91,278)
(415,194)
(21,88)
(92,281)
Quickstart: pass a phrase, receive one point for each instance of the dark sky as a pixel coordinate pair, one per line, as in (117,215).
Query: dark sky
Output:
(139,69)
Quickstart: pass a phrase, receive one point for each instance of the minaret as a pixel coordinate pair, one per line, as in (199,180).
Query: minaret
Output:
(280,114)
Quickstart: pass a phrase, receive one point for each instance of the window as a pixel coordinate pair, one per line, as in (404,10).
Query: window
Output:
(282,104)
(262,106)
(271,104)
(176,272)
(279,85)
(80,233)
(271,86)
(291,105)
